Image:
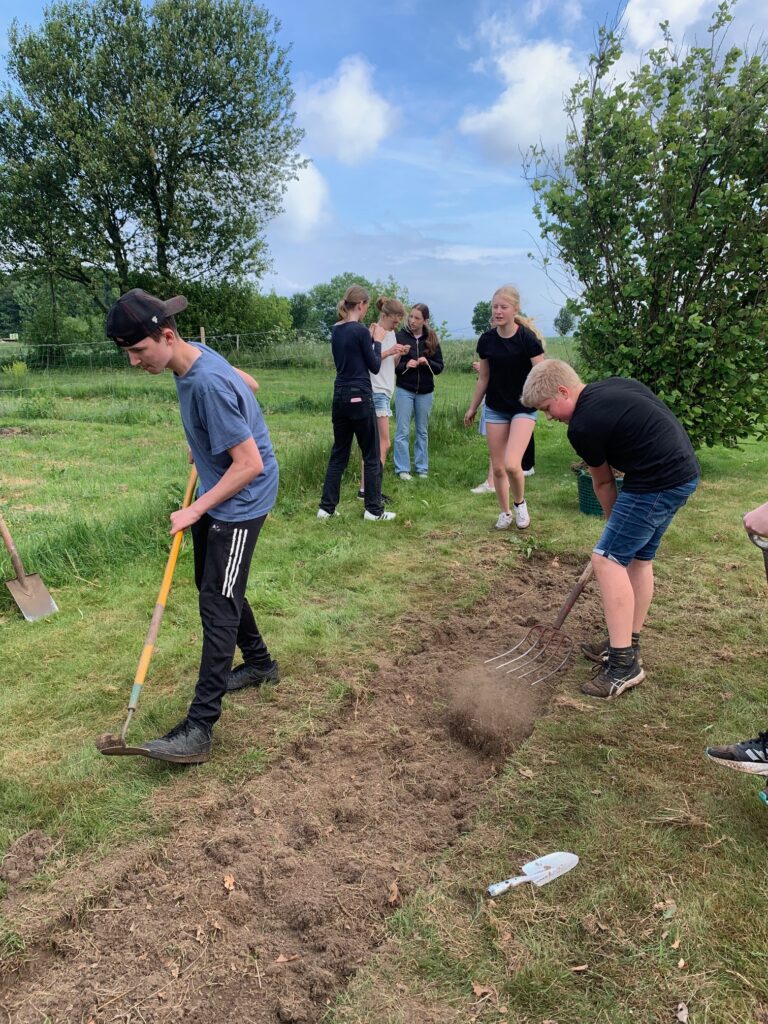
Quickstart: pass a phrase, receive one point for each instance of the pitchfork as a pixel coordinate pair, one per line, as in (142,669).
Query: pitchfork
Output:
(543,649)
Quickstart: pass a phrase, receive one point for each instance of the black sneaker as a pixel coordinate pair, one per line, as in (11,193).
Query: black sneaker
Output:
(385,497)
(599,652)
(748,756)
(610,681)
(252,675)
(186,743)
(596,652)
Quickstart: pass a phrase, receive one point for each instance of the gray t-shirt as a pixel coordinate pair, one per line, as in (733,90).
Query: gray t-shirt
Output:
(219,411)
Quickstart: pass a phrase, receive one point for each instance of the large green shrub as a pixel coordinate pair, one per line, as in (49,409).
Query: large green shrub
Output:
(659,210)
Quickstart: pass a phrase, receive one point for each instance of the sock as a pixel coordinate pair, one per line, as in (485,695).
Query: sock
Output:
(517,504)
(621,657)
(635,640)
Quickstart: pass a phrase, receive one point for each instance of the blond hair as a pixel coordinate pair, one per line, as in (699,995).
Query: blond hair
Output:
(390,307)
(544,380)
(508,291)
(353,296)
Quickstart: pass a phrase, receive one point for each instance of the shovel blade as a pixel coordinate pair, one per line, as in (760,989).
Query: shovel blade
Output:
(31,596)
(547,868)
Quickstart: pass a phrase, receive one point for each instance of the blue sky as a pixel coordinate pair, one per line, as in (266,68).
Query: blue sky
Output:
(415,114)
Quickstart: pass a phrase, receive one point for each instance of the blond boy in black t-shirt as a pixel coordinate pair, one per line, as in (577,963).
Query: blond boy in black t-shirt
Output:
(620,423)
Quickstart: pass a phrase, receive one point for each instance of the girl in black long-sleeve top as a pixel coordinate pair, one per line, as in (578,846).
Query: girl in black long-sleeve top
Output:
(356,356)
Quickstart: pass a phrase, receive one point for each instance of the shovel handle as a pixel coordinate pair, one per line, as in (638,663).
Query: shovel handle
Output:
(157,614)
(574,595)
(18,567)
(499,888)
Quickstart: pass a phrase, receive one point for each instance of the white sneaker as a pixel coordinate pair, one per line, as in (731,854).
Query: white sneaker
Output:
(504,521)
(383,518)
(529,472)
(522,519)
(423,476)
(404,476)
(483,488)
(322,514)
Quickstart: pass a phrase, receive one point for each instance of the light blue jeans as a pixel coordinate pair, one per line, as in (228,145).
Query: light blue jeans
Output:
(408,406)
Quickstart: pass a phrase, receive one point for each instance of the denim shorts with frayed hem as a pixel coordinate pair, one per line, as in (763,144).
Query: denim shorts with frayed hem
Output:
(493,416)
(638,522)
(382,404)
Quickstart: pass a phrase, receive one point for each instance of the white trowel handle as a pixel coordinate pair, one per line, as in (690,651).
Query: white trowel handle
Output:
(499,888)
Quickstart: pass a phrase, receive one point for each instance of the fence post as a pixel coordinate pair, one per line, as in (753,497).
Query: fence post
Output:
(237,342)
(202,335)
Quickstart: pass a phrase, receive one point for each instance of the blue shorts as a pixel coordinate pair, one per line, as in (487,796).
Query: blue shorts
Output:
(382,404)
(638,521)
(491,416)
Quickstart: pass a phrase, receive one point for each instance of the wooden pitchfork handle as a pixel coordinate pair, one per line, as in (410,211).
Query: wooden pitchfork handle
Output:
(574,595)
(157,615)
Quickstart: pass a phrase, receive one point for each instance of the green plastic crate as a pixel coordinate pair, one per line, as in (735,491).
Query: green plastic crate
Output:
(588,503)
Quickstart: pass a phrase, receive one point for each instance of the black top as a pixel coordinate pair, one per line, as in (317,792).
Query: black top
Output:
(620,421)
(355,354)
(509,362)
(418,379)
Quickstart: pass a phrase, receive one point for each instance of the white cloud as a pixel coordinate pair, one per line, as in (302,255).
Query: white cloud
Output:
(537,77)
(462,253)
(306,204)
(642,18)
(344,116)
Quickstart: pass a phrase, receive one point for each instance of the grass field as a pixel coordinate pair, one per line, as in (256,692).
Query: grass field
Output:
(665,907)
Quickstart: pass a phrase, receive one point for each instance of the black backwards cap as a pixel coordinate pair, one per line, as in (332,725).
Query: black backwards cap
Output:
(137,314)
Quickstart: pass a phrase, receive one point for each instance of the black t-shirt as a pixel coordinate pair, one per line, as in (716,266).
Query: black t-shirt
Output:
(620,421)
(509,363)
(355,354)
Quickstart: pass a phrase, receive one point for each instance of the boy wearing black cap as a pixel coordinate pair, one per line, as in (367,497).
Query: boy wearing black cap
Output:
(238,473)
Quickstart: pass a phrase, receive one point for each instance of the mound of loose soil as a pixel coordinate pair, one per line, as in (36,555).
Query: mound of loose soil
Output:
(25,857)
(270,895)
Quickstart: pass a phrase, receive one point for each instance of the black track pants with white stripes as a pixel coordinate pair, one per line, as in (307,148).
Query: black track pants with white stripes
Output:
(223,553)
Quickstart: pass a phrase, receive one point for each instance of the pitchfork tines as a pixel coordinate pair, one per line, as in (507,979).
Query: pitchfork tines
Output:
(544,649)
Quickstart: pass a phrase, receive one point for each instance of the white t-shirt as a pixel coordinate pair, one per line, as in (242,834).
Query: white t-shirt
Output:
(384,380)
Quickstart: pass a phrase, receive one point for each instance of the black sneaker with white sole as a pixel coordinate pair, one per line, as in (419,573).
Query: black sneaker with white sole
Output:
(252,675)
(612,680)
(749,756)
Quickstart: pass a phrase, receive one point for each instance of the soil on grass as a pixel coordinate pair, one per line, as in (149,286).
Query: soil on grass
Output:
(271,894)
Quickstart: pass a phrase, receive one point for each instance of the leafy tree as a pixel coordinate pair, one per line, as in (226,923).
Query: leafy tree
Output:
(565,321)
(319,310)
(145,138)
(481,316)
(659,209)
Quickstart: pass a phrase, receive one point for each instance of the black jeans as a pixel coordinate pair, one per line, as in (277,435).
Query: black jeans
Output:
(353,415)
(223,553)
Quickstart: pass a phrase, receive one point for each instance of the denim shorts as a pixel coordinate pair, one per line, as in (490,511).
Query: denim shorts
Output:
(638,521)
(382,403)
(491,416)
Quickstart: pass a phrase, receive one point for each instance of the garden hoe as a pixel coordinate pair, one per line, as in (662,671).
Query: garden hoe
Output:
(544,649)
(539,872)
(28,592)
(109,743)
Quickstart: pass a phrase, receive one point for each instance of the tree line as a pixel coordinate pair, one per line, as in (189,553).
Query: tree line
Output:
(150,145)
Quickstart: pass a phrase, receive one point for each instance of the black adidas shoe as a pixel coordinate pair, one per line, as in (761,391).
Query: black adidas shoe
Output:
(252,675)
(748,756)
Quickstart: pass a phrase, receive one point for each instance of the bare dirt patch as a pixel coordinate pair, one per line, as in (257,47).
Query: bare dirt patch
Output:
(25,857)
(271,895)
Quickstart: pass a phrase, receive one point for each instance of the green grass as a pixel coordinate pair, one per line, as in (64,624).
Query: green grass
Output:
(87,492)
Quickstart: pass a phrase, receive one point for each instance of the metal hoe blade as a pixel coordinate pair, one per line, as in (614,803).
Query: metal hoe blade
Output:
(762,543)
(540,872)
